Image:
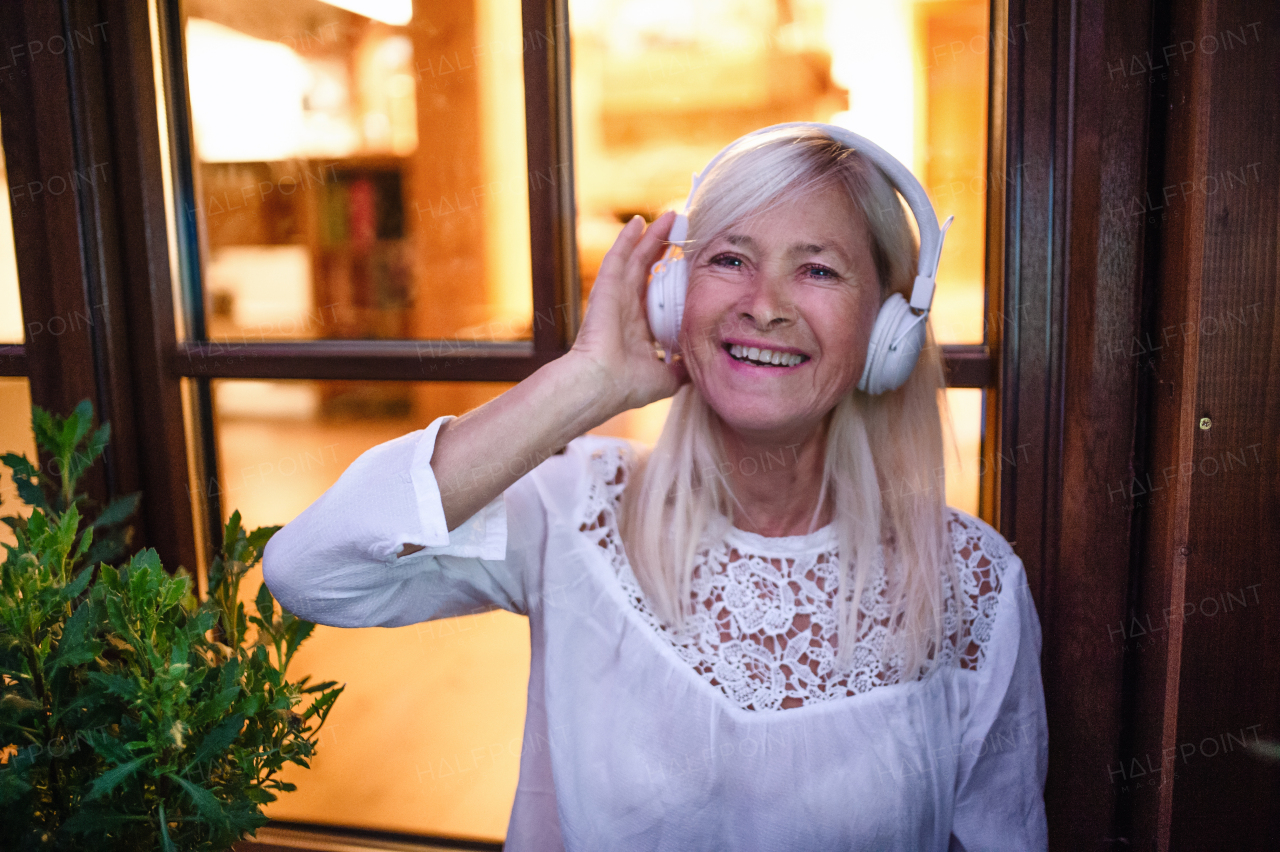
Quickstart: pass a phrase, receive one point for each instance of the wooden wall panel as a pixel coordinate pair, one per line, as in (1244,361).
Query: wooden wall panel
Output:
(1227,210)
(1077,154)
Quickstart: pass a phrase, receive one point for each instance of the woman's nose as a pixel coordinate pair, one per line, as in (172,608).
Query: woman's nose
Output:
(767,302)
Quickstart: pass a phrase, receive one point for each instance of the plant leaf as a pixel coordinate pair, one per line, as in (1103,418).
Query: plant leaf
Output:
(119,510)
(299,630)
(74,647)
(19,464)
(76,587)
(111,779)
(166,842)
(207,804)
(258,540)
(232,533)
(265,604)
(222,735)
(30,493)
(115,684)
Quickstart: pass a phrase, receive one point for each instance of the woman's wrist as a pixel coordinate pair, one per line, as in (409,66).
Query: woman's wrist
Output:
(595,392)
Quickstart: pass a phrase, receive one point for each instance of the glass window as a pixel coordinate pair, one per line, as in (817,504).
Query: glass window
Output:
(658,89)
(10,304)
(360,171)
(15,437)
(433,714)
(15,392)
(962,447)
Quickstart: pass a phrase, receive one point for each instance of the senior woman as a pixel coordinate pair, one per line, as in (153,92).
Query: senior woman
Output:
(769,632)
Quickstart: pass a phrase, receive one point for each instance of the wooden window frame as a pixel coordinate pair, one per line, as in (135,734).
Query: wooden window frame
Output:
(556,289)
(113,256)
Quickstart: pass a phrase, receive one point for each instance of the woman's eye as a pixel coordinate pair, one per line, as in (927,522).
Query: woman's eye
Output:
(821,272)
(728,260)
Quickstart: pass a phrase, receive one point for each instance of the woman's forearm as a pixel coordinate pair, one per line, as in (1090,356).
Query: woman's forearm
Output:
(610,369)
(480,455)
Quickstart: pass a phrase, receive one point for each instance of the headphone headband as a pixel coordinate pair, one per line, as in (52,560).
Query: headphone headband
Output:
(899,176)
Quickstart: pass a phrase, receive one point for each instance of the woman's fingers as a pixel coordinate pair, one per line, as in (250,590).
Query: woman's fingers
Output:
(650,246)
(637,247)
(615,259)
(615,326)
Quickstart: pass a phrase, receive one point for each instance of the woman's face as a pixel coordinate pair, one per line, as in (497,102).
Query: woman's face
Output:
(798,281)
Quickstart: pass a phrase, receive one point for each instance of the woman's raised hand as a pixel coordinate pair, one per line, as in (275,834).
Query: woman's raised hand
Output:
(615,334)
(612,368)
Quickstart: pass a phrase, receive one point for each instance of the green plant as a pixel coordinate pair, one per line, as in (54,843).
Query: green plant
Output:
(133,716)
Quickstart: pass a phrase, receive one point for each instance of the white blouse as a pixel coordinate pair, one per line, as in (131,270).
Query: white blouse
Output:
(740,732)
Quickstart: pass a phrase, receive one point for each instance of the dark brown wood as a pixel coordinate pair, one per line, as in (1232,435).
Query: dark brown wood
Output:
(102,266)
(284,836)
(549,138)
(1163,568)
(48,182)
(1030,388)
(402,360)
(994,257)
(1213,535)
(1086,587)
(13,359)
(97,252)
(1077,157)
(968,366)
(141,280)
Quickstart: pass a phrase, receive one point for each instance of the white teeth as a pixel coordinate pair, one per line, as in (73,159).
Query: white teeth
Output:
(764,356)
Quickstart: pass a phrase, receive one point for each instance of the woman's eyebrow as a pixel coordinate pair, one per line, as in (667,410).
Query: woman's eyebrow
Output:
(798,248)
(744,241)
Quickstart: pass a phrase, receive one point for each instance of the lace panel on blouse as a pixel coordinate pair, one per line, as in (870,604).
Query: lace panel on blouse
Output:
(765,618)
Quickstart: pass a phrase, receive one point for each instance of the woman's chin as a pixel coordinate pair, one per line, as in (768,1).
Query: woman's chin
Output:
(766,420)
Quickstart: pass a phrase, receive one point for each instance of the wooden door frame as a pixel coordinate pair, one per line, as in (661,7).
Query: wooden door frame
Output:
(1080,114)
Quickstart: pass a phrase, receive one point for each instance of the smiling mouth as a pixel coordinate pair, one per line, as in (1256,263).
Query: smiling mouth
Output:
(763,357)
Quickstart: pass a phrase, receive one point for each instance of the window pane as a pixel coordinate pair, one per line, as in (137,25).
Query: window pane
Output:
(963,447)
(360,177)
(10,304)
(431,721)
(15,437)
(659,88)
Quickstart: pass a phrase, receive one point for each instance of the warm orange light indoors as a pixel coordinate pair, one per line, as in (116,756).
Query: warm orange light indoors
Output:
(396,12)
(11,330)
(426,737)
(15,437)
(307,127)
(659,88)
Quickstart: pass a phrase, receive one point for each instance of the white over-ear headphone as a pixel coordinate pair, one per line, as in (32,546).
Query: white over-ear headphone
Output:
(899,332)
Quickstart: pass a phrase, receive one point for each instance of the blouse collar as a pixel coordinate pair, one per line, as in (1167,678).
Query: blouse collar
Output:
(820,539)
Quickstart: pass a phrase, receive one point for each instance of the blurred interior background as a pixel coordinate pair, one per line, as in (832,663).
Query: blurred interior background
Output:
(361,173)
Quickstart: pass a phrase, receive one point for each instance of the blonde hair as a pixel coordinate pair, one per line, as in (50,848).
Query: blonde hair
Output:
(883,457)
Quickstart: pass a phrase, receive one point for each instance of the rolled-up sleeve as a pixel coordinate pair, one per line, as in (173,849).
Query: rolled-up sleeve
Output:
(338,562)
(1004,758)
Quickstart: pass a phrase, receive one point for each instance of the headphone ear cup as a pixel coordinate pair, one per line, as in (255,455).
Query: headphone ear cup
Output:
(668,284)
(888,367)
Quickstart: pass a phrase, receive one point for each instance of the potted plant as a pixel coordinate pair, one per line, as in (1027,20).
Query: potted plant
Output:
(132,715)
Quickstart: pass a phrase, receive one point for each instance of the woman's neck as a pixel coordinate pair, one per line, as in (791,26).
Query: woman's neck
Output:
(777,482)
